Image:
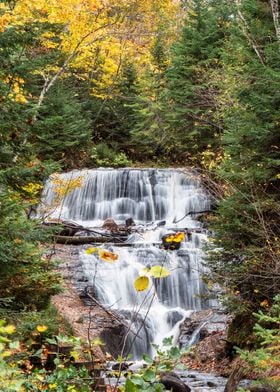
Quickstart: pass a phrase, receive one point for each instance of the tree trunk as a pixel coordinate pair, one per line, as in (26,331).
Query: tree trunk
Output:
(236,375)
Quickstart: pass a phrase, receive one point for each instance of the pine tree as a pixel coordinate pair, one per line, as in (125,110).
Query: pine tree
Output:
(191,89)
(62,130)
(247,222)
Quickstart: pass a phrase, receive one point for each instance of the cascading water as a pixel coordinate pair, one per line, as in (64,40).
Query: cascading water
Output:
(147,196)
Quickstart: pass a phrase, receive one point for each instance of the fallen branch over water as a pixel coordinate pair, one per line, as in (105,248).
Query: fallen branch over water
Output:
(77,240)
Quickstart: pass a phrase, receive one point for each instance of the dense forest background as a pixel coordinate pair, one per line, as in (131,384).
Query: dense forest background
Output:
(154,82)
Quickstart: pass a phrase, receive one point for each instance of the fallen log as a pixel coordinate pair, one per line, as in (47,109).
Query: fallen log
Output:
(79,240)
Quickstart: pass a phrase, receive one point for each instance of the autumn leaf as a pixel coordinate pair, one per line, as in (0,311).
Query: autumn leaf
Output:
(9,329)
(41,328)
(157,271)
(141,283)
(108,256)
(264,304)
(97,342)
(89,251)
(178,237)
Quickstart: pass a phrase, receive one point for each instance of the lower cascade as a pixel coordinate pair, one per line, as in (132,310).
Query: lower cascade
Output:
(156,203)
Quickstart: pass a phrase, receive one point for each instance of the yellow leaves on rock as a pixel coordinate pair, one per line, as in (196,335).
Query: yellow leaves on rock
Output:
(178,237)
(141,283)
(105,255)
(91,250)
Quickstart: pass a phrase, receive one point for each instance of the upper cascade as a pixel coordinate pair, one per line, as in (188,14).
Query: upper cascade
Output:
(145,195)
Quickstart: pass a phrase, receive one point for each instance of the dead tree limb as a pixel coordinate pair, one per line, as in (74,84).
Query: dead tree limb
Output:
(275,14)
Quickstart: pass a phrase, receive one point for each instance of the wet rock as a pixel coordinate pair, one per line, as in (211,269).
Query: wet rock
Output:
(113,336)
(173,382)
(200,325)
(111,225)
(120,366)
(129,222)
(211,384)
(173,317)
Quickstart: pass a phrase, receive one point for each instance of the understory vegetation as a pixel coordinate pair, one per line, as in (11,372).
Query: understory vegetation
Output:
(162,83)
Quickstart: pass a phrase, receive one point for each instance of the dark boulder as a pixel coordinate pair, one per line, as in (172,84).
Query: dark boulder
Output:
(172,382)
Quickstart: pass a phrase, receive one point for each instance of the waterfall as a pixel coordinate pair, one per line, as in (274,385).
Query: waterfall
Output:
(147,196)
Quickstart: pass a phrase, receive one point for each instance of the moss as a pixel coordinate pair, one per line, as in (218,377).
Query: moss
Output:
(240,332)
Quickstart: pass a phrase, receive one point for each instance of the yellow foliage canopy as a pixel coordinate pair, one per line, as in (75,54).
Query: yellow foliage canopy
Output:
(98,33)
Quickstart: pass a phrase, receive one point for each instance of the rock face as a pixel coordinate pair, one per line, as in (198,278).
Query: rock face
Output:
(113,336)
(200,325)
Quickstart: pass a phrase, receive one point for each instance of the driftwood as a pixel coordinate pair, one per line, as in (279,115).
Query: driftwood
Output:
(235,377)
(78,240)
(69,234)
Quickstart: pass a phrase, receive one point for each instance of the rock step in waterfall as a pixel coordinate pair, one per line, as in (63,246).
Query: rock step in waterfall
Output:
(147,197)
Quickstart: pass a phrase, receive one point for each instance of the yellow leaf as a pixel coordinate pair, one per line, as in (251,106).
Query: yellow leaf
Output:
(178,237)
(97,342)
(6,353)
(9,329)
(41,328)
(157,271)
(89,251)
(108,256)
(264,303)
(141,283)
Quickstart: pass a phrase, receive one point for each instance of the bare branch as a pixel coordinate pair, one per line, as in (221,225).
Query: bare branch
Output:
(246,31)
(275,14)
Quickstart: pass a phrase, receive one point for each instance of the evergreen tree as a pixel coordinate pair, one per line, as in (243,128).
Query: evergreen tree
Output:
(247,223)
(62,130)
(149,131)
(191,89)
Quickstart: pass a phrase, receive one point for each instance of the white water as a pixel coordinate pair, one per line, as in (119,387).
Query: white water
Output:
(147,196)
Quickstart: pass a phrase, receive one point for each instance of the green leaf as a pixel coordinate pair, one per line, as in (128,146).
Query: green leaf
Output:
(14,345)
(167,341)
(137,380)
(149,375)
(129,386)
(148,359)
(175,352)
